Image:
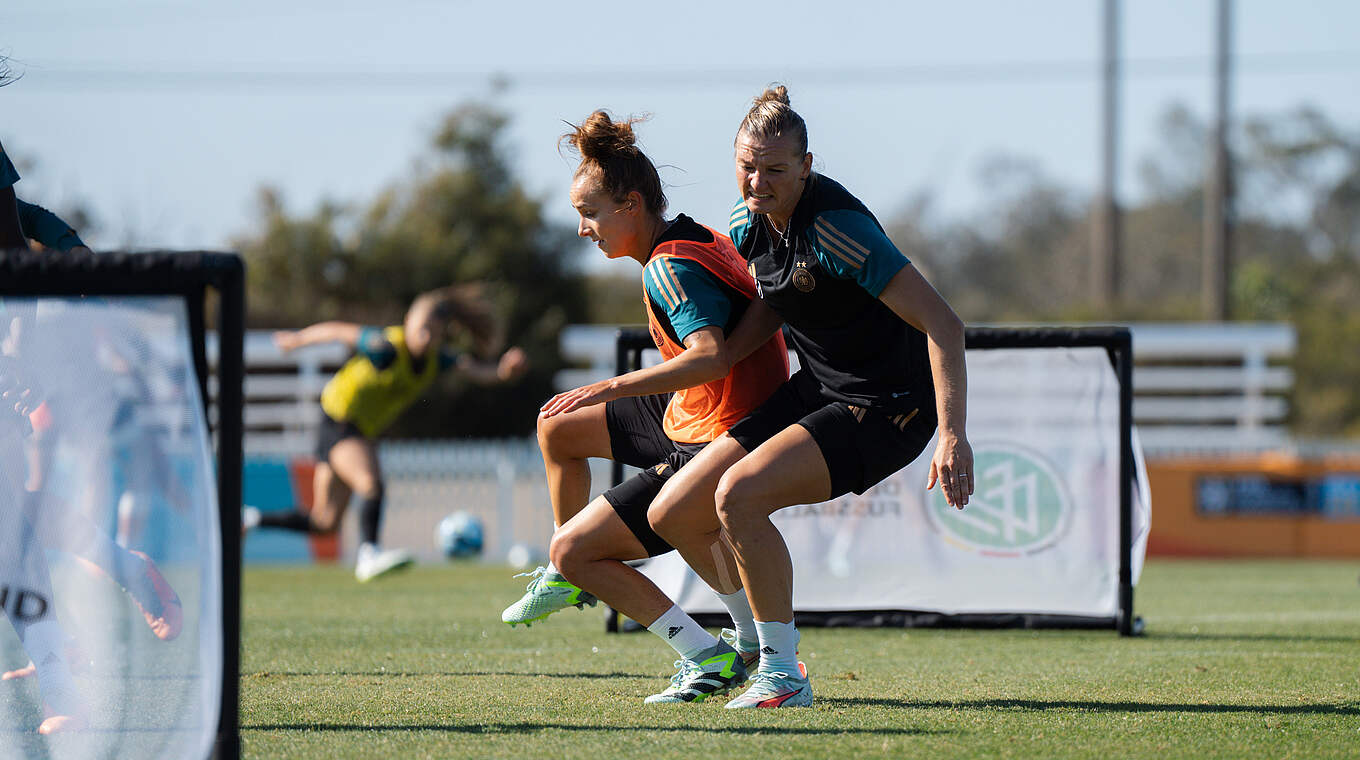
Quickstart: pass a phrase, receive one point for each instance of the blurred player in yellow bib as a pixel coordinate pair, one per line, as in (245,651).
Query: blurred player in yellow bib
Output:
(391,369)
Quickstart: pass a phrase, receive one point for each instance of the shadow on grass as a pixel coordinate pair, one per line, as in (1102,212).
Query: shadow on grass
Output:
(531,728)
(440,674)
(1034,705)
(1291,638)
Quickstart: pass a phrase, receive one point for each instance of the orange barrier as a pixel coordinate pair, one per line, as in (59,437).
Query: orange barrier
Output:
(325,548)
(1265,505)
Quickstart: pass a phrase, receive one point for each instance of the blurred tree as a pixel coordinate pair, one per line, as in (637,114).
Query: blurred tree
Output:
(462,217)
(616,299)
(1296,244)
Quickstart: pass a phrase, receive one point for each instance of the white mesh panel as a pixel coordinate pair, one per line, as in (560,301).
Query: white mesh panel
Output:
(111,477)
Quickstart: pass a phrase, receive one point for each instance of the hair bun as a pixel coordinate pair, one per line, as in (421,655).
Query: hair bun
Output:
(776,93)
(600,137)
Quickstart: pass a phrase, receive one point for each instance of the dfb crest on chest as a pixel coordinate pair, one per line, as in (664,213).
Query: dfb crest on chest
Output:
(802,277)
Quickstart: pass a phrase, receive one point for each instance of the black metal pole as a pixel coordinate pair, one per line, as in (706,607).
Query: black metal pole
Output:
(1218,190)
(230,432)
(1125,370)
(1105,253)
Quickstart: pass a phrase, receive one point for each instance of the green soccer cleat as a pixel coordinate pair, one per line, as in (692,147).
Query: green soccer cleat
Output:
(546,593)
(774,690)
(717,670)
(749,650)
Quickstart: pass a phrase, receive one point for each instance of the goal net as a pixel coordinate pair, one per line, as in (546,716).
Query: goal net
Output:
(1053,535)
(119,574)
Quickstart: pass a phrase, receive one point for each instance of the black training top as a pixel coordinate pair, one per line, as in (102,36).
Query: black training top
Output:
(824,278)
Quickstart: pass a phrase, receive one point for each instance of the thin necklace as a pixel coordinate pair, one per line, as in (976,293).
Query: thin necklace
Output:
(783,237)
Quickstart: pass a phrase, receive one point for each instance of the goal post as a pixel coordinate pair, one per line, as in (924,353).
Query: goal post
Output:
(1054,535)
(130,505)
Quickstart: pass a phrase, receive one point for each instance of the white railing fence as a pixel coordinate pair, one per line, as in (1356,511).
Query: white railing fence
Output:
(1198,388)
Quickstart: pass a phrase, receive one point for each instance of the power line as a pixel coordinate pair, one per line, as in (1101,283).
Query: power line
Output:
(102,77)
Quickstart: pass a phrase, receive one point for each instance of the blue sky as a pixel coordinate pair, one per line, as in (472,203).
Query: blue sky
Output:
(166,117)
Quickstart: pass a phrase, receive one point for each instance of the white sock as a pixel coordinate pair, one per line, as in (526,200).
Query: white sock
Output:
(778,647)
(682,633)
(739,607)
(550,568)
(43,640)
(44,644)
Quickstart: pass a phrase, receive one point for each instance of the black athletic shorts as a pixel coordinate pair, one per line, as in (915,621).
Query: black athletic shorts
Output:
(637,438)
(861,446)
(330,433)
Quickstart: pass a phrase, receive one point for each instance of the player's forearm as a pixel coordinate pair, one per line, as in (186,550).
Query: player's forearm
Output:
(477,370)
(328,332)
(945,346)
(694,366)
(756,326)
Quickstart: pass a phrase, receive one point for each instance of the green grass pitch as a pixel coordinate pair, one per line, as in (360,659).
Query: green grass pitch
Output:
(1240,659)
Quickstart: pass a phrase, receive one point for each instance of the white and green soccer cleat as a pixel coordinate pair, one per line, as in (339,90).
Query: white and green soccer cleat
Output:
(717,670)
(774,690)
(547,593)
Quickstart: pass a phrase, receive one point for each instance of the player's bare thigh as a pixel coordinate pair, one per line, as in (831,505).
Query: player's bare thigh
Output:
(685,505)
(355,461)
(787,469)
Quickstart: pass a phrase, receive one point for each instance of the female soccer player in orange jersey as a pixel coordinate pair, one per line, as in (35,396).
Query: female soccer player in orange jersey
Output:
(696,291)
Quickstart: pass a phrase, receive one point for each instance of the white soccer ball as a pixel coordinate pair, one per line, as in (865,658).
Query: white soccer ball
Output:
(459,535)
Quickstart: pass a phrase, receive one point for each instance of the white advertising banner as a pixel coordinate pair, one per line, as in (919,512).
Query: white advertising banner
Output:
(1040,535)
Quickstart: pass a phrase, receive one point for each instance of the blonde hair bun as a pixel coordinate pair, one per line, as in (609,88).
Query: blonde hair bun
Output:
(777,93)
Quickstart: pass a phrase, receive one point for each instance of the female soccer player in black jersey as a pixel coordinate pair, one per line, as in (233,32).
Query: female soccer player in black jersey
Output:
(882,367)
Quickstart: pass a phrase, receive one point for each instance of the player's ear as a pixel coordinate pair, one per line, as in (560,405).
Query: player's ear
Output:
(806,169)
(633,203)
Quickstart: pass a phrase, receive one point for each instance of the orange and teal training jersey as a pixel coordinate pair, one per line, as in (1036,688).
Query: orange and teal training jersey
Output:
(381,381)
(696,279)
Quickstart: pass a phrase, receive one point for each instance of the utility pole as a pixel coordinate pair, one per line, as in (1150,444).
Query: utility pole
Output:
(1105,253)
(1218,189)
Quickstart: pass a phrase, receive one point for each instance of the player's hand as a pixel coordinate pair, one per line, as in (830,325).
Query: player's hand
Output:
(287,340)
(80,249)
(586,395)
(18,394)
(952,468)
(513,364)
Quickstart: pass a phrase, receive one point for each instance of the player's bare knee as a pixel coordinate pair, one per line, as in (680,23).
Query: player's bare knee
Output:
(662,516)
(368,488)
(324,521)
(567,553)
(550,434)
(732,500)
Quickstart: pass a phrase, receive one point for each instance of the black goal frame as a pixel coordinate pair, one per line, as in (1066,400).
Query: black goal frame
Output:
(1117,341)
(189,275)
